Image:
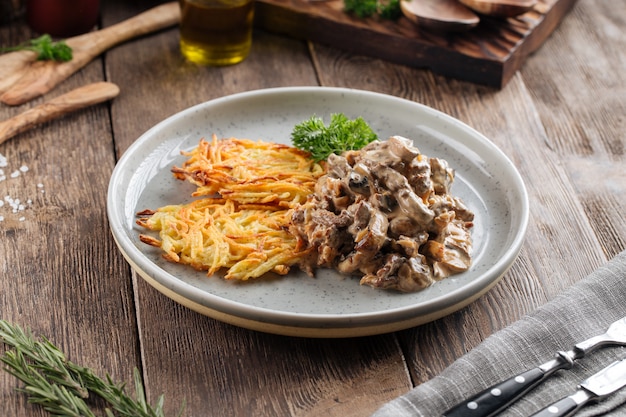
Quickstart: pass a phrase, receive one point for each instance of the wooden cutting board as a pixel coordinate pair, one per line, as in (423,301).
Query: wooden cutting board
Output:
(489,54)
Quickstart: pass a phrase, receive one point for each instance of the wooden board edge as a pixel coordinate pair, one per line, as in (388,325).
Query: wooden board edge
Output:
(296,22)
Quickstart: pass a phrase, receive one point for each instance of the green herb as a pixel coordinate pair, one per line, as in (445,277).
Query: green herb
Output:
(342,134)
(361,8)
(390,10)
(46,49)
(387,9)
(62,387)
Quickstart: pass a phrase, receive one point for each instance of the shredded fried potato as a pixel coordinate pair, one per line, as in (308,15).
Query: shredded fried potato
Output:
(248,191)
(250,172)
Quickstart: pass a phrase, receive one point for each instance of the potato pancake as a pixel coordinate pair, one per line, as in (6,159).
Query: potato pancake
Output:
(247,192)
(250,172)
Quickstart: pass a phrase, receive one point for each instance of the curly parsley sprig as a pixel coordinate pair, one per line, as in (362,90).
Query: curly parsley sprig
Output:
(342,134)
(387,9)
(61,387)
(46,49)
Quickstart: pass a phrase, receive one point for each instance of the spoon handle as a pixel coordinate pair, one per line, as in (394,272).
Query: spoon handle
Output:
(39,77)
(74,100)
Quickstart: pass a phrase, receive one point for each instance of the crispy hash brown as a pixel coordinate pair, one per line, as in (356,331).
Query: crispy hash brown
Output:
(250,172)
(248,190)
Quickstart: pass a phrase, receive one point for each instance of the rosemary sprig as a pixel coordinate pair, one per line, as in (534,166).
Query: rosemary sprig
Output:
(61,386)
(57,399)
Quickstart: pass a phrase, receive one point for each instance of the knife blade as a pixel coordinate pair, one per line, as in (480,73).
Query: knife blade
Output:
(596,387)
(492,400)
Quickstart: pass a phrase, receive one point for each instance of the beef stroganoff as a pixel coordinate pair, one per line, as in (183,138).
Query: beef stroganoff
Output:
(385,212)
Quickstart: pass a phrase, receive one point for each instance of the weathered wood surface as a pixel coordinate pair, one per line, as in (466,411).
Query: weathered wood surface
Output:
(560,119)
(488,54)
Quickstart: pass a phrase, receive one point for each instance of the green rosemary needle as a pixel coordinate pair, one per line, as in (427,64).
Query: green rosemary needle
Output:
(62,387)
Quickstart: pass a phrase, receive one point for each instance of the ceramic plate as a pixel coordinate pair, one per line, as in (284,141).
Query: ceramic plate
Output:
(329,305)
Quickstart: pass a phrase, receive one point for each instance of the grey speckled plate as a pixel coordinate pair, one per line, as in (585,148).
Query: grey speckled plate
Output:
(328,305)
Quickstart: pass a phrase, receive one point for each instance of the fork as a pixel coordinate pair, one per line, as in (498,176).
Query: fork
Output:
(495,398)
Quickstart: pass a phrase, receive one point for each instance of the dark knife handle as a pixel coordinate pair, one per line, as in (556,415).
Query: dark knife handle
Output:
(562,408)
(493,399)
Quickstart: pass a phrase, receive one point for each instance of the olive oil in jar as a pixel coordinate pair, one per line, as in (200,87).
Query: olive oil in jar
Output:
(216,32)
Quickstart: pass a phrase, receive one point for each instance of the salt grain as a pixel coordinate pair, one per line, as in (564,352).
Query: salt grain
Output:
(15,204)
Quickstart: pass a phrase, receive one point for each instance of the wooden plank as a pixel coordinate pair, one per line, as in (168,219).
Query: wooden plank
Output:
(60,272)
(216,366)
(579,89)
(558,119)
(489,54)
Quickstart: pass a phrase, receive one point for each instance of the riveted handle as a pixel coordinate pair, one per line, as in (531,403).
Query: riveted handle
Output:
(561,408)
(495,398)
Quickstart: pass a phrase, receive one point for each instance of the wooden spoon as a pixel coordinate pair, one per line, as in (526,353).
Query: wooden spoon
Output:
(38,77)
(12,67)
(439,15)
(500,8)
(59,106)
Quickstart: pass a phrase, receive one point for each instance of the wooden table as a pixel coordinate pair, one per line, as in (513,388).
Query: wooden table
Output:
(561,120)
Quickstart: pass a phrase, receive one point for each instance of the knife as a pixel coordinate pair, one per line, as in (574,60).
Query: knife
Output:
(492,400)
(596,387)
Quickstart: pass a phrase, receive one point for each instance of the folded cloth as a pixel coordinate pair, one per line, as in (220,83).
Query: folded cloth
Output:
(582,311)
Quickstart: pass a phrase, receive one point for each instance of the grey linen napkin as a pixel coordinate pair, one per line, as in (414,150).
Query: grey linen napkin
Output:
(584,310)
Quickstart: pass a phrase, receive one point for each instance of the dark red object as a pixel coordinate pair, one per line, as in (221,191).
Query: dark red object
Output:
(62,18)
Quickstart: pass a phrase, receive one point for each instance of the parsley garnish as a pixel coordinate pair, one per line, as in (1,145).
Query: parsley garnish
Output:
(342,134)
(387,9)
(45,48)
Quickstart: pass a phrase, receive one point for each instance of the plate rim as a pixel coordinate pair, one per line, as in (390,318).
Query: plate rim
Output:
(300,324)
